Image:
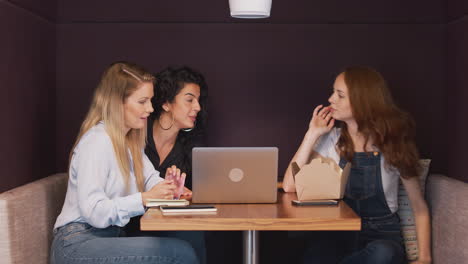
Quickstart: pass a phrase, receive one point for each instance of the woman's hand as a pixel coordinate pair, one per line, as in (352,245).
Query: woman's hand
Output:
(187,195)
(162,190)
(320,124)
(322,121)
(174,174)
(168,188)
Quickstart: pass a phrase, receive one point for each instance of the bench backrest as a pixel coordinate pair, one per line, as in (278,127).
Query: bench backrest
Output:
(28,213)
(27,216)
(448,202)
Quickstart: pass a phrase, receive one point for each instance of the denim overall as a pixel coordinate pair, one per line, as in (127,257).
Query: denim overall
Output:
(379,240)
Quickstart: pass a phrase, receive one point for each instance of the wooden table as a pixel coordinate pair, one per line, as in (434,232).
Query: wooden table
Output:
(252,218)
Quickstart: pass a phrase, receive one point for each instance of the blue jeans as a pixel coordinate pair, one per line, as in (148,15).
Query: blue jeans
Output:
(379,242)
(377,252)
(330,247)
(195,238)
(82,243)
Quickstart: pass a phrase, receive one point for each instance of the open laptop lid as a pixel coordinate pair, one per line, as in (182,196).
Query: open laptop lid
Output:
(235,175)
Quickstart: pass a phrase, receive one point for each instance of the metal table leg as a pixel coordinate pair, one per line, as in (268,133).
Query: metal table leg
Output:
(251,242)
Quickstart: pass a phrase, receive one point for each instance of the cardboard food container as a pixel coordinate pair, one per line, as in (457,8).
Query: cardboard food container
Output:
(322,178)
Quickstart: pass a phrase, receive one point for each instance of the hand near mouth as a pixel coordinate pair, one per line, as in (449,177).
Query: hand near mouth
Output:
(322,121)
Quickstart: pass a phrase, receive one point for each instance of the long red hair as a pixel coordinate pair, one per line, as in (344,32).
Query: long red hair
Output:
(390,129)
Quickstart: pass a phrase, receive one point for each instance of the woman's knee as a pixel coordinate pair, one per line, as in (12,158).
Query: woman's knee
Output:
(163,247)
(182,250)
(384,251)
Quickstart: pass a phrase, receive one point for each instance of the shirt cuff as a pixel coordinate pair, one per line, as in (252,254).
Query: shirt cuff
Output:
(133,205)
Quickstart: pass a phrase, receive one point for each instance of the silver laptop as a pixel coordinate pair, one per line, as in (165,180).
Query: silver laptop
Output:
(234,175)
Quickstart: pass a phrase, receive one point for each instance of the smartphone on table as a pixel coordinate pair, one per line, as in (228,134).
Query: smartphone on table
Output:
(314,202)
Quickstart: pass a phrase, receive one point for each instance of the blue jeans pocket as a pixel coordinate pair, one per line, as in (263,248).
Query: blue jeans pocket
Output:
(362,182)
(75,233)
(388,229)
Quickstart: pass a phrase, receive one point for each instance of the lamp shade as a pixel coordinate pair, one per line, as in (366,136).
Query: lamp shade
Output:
(250,8)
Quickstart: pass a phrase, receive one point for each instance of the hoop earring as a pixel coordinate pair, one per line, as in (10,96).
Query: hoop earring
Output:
(169,126)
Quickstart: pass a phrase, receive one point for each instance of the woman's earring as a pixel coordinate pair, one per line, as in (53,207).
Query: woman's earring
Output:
(169,126)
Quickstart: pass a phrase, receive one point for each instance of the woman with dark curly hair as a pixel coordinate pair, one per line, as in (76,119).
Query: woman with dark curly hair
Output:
(175,127)
(178,121)
(377,138)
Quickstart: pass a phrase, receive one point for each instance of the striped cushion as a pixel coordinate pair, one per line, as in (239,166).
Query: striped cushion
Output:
(408,226)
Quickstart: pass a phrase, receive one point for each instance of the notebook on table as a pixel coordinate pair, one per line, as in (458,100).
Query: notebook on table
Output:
(160,202)
(234,175)
(189,209)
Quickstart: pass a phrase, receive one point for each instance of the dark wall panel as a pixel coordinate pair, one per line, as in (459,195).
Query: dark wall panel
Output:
(44,8)
(27,106)
(457,9)
(458,97)
(264,79)
(298,11)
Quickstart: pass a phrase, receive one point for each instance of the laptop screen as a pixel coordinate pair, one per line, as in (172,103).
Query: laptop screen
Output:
(235,175)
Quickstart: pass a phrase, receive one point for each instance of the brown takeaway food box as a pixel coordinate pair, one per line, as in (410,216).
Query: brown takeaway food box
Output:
(322,178)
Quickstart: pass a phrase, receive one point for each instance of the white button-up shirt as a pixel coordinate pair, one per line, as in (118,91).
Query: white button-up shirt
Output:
(96,192)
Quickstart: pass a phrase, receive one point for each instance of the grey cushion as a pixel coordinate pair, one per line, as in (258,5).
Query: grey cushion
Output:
(27,216)
(448,202)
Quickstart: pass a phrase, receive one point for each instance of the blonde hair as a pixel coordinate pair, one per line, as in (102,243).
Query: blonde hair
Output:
(118,82)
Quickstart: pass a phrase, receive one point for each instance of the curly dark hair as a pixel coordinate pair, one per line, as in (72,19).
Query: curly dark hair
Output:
(169,82)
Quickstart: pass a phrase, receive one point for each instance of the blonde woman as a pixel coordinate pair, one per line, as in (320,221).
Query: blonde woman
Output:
(110,178)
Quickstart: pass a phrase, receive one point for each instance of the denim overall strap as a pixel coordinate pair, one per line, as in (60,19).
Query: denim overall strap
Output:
(364,190)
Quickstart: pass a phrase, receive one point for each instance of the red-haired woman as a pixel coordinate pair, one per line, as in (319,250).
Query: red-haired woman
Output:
(377,137)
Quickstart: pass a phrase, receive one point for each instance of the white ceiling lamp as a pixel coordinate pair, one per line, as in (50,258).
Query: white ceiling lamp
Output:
(250,8)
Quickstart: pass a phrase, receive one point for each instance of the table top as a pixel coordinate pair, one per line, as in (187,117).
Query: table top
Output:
(279,216)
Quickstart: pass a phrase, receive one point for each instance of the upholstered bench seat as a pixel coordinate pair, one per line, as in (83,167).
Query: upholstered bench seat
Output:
(448,203)
(28,213)
(27,216)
